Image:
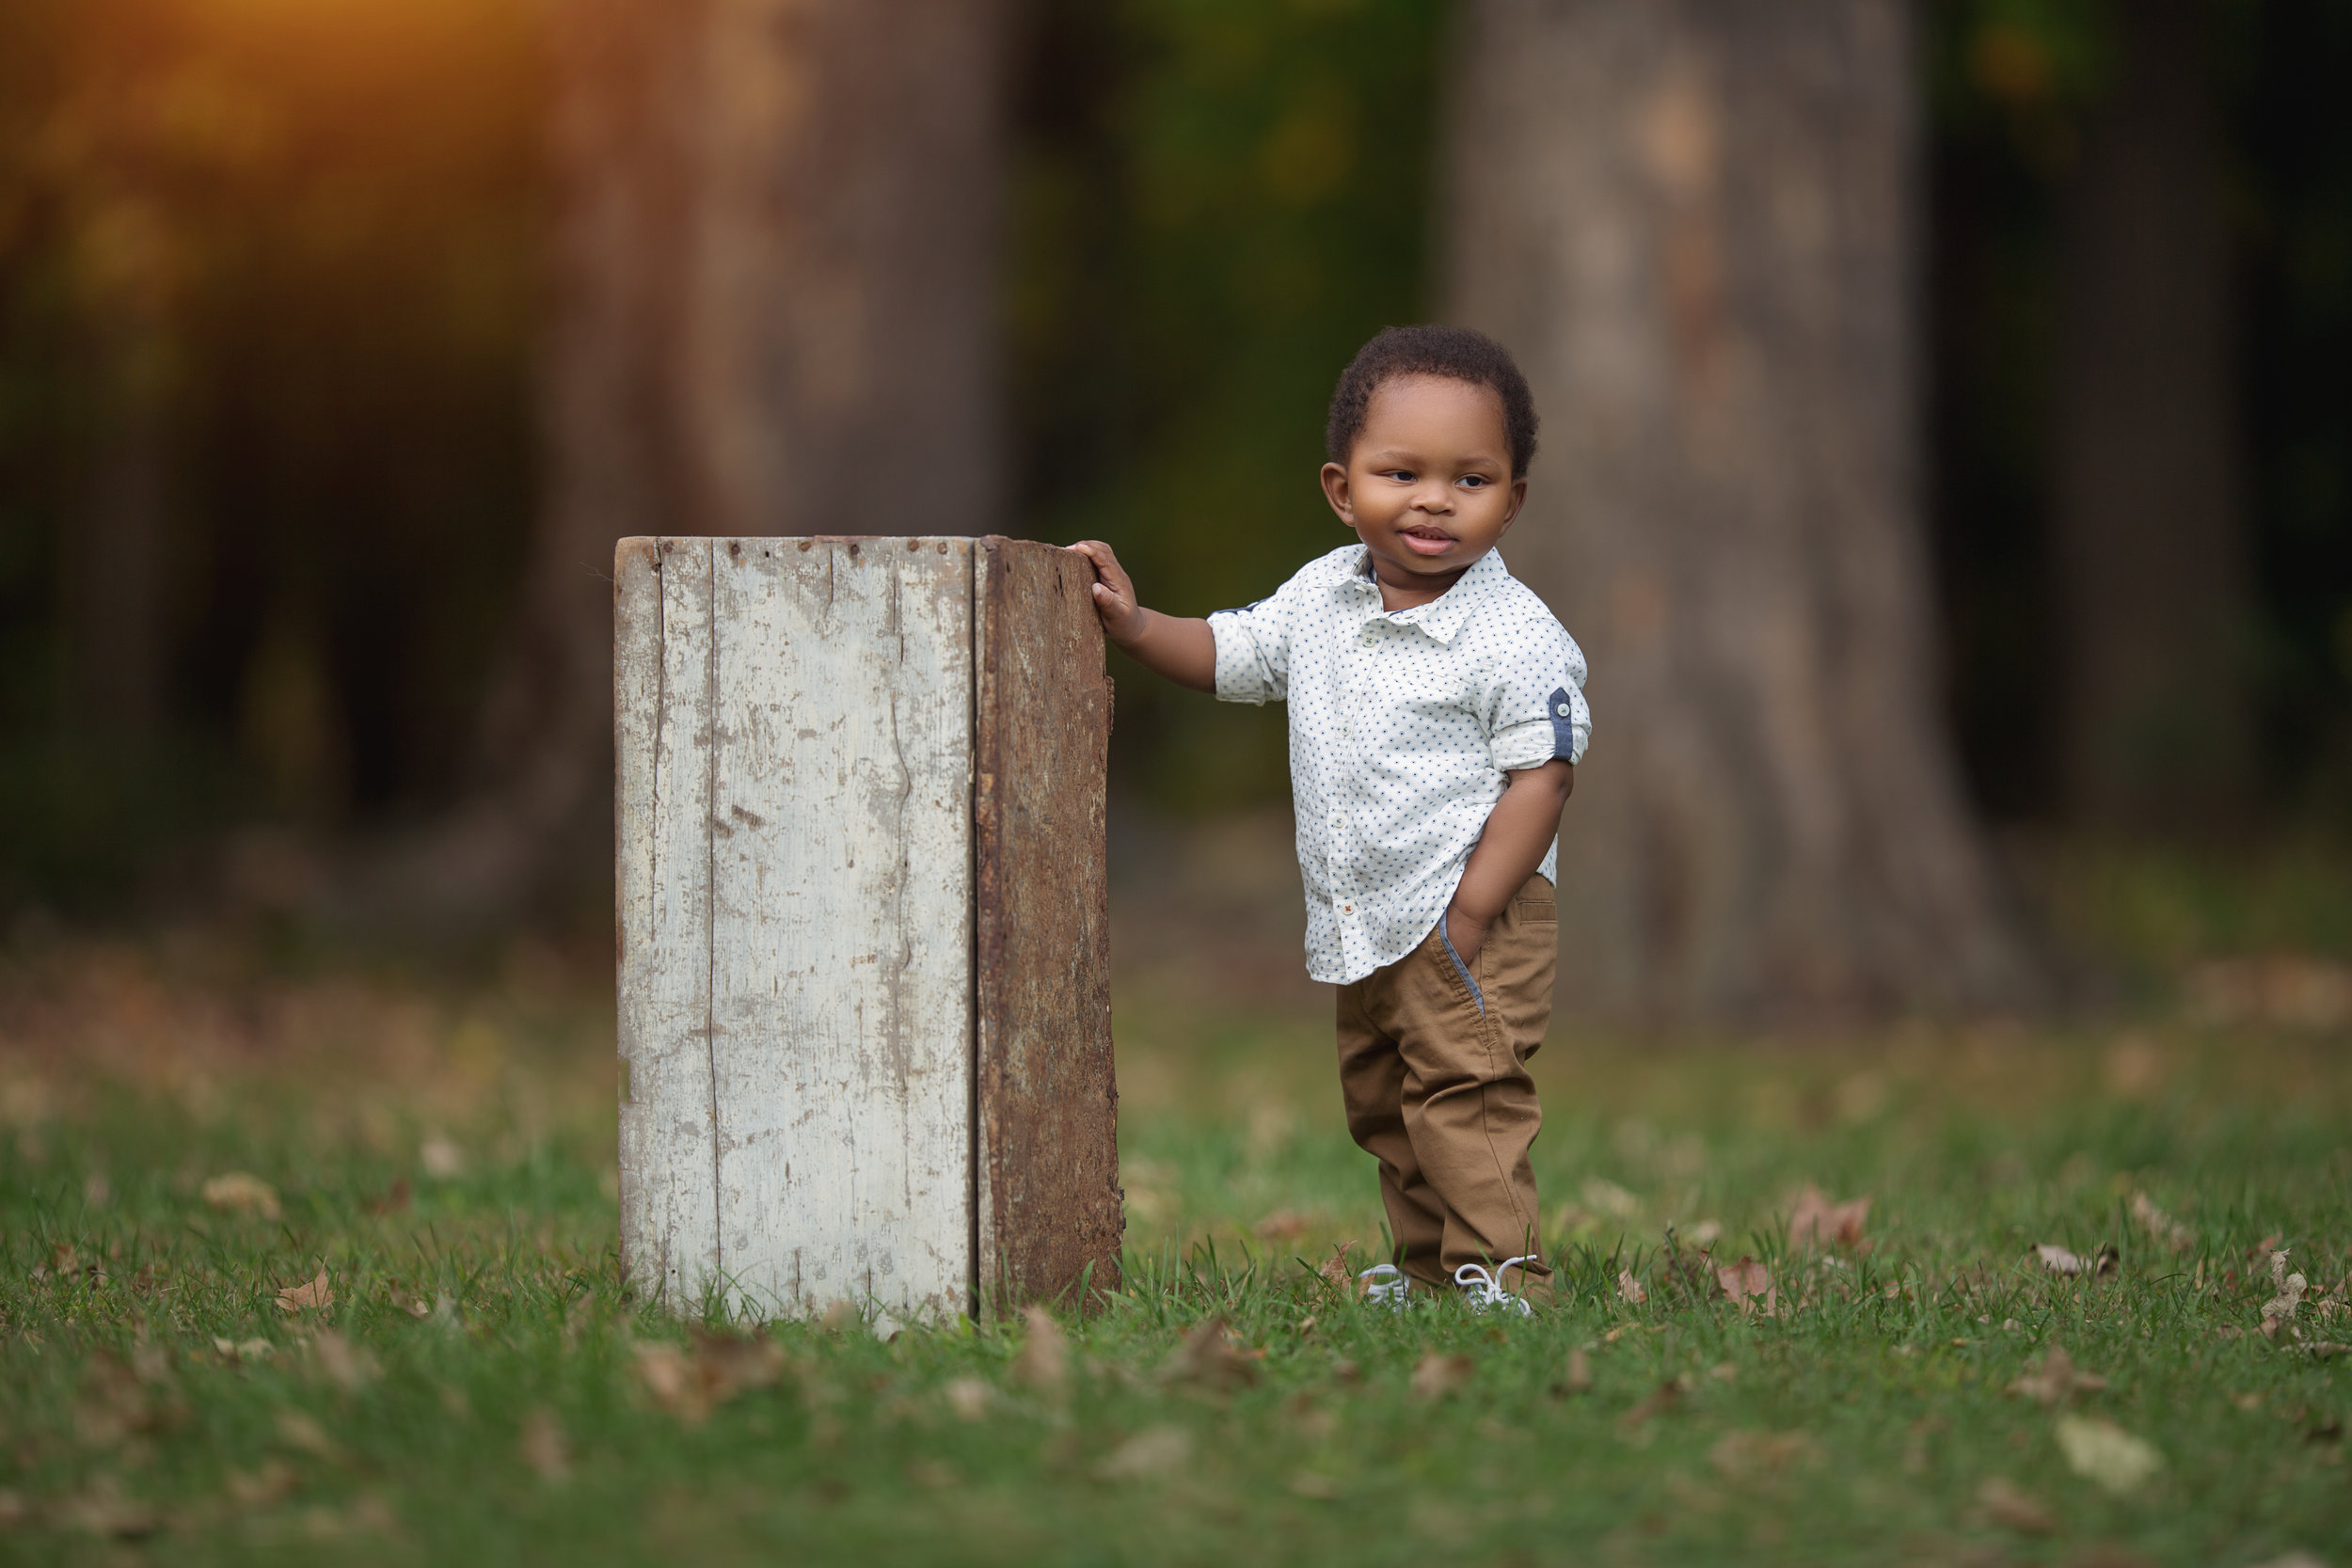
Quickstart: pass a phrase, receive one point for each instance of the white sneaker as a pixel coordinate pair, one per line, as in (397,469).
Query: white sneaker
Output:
(1481,1290)
(1385,1285)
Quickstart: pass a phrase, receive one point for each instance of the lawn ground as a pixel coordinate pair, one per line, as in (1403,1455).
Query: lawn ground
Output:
(199,1147)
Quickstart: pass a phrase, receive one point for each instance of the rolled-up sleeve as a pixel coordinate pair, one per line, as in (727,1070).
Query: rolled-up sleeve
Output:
(1535,709)
(1253,649)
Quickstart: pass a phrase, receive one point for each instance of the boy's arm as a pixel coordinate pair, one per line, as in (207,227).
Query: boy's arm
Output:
(1184,650)
(1518,830)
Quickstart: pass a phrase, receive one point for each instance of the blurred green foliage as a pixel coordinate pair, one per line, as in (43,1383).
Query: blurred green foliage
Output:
(2010,82)
(310,237)
(1215,203)
(305,241)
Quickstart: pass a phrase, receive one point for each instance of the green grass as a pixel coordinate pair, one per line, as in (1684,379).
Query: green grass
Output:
(514,1420)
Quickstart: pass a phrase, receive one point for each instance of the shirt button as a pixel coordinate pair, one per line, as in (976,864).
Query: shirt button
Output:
(1562,710)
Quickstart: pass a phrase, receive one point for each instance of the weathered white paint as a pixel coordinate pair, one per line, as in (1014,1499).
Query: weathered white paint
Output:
(663,689)
(842,968)
(824,869)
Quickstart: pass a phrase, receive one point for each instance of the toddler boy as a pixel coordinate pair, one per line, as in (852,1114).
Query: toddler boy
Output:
(1437,714)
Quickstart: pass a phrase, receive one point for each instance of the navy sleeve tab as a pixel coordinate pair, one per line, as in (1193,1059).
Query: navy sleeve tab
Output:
(1563,724)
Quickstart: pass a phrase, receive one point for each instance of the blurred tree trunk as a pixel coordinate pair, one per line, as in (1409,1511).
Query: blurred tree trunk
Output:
(2151,572)
(1695,223)
(774,304)
(112,556)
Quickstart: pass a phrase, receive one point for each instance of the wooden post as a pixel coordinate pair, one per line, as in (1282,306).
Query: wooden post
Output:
(865,1002)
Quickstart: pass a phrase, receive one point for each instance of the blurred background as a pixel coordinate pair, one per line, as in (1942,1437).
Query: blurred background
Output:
(1947,451)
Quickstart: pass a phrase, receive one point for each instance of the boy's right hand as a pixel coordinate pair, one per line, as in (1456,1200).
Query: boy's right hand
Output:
(1180,648)
(1124,618)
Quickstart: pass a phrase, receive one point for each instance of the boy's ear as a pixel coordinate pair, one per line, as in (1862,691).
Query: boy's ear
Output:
(1335,491)
(1519,499)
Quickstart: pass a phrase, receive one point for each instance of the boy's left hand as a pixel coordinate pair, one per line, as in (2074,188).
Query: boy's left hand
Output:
(1465,932)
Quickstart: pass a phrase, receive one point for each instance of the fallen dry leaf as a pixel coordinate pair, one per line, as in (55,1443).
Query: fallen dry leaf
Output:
(1747,1455)
(2133,1066)
(261,1487)
(1629,1288)
(2162,1227)
(720,1367)
(2283,988)
(2329,1349)
(113,1403)
(1153,1451)
(394,1200)
(1817,1222)
(1338,1270)
(65,1264)
(1600,1193)
(345,1364)
(968,1398)
(1665,1397)
(2012,1508)
(933,1475)
(2058,1260)
(1315,1486)
(1577,1377)
(2057,1380)
(1439,1375)
(1043,1360)
(311,1295)
(1209,1356)
(440,1157)
(240,1192)
(544,1447)
(732,1364)
(1749,1284)
(2105,1453)
(303,1433)
(669,1377)
(2280,1309)
(101,1508)
(1281,1225)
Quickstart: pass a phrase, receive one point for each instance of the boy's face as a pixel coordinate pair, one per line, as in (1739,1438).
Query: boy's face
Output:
(1428,486)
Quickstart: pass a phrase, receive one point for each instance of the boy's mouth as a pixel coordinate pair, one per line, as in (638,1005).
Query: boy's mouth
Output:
(1427,541)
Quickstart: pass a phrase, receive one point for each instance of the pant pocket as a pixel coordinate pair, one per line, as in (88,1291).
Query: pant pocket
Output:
(1462,969)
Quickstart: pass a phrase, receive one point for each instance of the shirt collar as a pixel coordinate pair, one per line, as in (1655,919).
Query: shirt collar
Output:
(1443,616)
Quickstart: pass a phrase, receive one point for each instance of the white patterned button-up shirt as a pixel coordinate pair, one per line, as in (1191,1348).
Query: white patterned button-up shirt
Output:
(1401,728)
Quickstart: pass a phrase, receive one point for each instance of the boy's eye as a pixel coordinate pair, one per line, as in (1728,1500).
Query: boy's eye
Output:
(1402,475)
(1474,482)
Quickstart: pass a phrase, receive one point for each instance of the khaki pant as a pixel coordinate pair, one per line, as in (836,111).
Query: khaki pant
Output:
(1433,1066)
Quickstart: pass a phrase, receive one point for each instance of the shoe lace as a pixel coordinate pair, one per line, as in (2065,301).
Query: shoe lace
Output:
(1383,1282)
(1485,1289)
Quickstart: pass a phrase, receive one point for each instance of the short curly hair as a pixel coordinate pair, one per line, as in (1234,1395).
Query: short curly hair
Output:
(1457,353)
